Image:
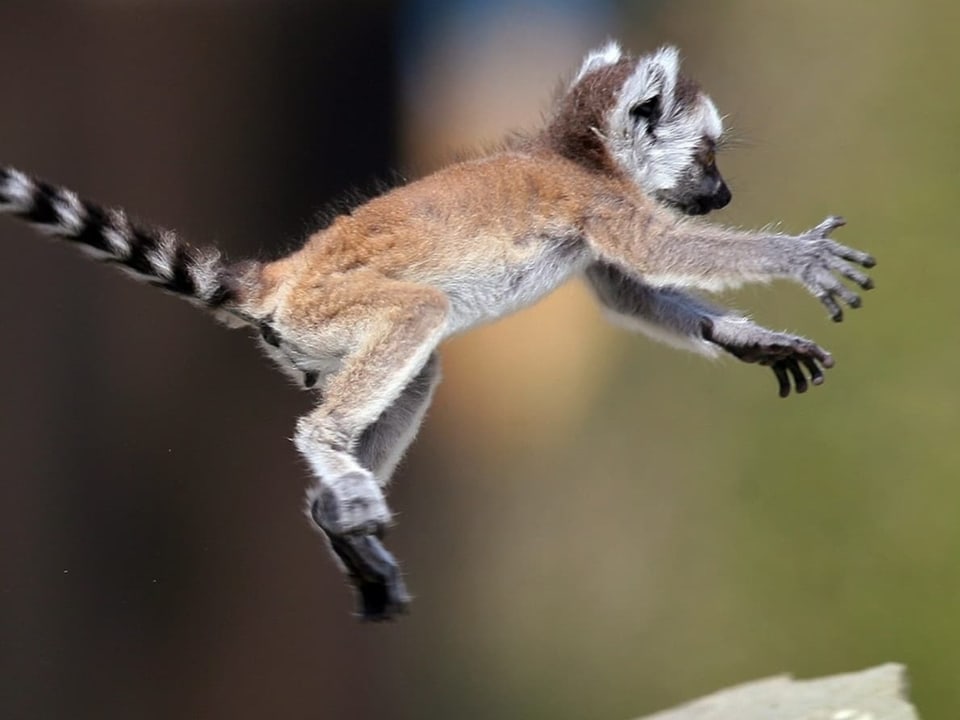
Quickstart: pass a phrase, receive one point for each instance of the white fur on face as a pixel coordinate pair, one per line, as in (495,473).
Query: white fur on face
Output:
(595,59)
(713,123)
(658,160)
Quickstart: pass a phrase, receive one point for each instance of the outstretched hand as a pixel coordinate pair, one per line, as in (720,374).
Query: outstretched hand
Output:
(791,357)
(824,259)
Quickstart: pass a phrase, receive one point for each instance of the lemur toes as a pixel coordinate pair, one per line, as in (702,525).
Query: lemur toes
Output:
(374,574)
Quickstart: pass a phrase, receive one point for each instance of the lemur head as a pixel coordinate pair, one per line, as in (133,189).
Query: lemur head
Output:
(642,117)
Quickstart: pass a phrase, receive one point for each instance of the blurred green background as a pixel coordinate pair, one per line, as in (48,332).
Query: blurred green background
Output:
(594,525)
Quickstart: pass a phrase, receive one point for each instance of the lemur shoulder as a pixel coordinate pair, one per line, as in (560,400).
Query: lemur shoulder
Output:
(605,191)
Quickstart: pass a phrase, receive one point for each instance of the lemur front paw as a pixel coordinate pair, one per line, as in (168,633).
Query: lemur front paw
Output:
(352,504)
(787,355)
(823,259)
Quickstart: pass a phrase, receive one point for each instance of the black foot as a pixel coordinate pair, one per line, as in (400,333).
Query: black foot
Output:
(371,569)
(374,574)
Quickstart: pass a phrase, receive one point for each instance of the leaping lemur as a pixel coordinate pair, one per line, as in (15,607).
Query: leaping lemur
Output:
(606,190)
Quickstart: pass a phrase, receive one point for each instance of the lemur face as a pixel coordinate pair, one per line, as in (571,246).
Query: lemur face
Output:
(663,131)
(700,187)
(655,124)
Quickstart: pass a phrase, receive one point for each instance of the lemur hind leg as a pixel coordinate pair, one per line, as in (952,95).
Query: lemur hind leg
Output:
(396,346)
(395,328)
(371,567)
(382,444)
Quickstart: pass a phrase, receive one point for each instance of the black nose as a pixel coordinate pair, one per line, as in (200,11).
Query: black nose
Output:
(721,196)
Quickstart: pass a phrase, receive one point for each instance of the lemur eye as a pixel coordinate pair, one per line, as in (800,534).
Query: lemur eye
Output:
(648,110)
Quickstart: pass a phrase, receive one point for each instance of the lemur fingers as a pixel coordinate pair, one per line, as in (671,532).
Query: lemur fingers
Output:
(851,273)
(814,370)
(795,366)
(823,259)
(830,224)
(787,355)
(828,289)
(820,235)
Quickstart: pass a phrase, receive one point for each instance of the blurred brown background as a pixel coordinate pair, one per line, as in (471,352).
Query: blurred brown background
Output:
(594,526)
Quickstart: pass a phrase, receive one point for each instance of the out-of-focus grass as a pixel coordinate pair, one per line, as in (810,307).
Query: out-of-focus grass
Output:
(686,529)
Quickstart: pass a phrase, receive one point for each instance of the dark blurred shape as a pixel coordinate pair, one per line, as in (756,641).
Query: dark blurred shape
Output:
(152,535)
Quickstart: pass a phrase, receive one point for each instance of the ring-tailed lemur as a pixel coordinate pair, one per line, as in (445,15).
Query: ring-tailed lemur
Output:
(359,311)
(663,168)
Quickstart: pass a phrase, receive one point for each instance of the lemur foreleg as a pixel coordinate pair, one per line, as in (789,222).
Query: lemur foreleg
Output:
(684,320)
(688,253)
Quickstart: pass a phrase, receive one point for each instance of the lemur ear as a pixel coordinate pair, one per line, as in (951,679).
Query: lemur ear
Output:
(596,59)
(665,61)
(655,77)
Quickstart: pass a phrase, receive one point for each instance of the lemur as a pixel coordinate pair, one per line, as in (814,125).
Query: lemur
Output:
(606,190)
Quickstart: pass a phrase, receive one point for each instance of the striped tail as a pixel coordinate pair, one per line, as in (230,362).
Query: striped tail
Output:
(158,257)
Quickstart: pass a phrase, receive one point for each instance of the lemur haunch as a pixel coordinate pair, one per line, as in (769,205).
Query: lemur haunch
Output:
(604,191)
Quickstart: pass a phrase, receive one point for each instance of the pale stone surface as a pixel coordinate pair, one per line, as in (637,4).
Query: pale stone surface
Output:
(875,694)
